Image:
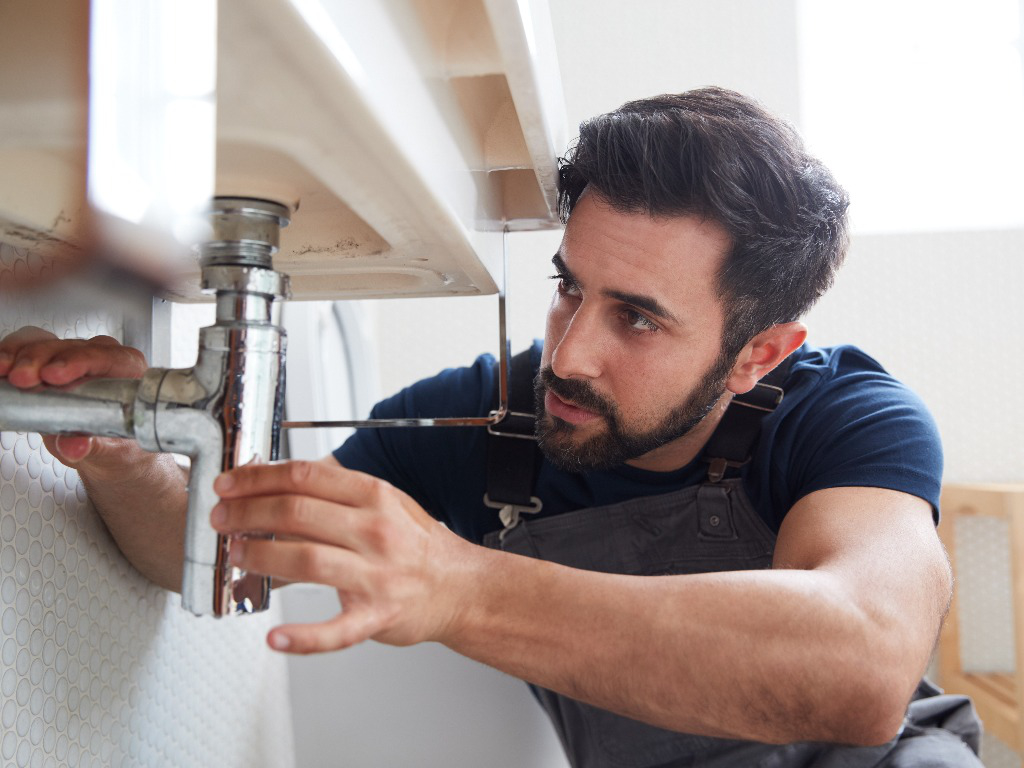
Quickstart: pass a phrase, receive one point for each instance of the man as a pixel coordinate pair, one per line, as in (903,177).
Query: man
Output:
(672,602)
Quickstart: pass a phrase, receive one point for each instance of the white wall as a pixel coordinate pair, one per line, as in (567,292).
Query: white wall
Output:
(943,313)
(374,706)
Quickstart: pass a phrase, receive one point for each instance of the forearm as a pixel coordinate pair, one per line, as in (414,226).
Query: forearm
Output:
(142,499)
(141,496)
(774,656)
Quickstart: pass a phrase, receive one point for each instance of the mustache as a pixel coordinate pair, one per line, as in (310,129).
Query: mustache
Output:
(579,393)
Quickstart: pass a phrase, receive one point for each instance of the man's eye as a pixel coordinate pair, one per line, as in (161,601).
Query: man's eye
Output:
(638,322)
(565,285)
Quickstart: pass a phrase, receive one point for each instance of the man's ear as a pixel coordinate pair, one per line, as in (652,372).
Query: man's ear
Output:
(762,353)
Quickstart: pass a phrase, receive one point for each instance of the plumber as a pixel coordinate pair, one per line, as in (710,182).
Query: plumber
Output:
(720,547)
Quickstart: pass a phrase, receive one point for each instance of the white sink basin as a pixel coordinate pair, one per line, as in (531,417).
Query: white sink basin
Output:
(403,134)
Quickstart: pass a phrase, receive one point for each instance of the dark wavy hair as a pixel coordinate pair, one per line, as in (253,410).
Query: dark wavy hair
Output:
(717,154)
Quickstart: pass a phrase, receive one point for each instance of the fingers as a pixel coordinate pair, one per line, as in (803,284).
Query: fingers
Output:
(349,628)
(302,517)
(341,528)
(310,478)
(300,561)
(70,449)
(104,459)
(11,345)
(31,356)
(324,480)
(396,597)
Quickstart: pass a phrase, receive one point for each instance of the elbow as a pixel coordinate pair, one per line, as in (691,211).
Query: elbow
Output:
(874,728)
(871,712)
(860,705)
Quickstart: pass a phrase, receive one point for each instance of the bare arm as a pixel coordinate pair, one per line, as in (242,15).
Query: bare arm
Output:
(828,645)
(141,496)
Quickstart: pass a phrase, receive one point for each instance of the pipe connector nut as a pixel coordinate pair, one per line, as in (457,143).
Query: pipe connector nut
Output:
(265,282)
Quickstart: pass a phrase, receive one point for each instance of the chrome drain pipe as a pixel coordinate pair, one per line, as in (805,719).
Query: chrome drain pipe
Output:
(223,412)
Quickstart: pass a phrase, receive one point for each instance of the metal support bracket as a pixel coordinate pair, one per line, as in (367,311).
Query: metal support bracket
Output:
(451,421)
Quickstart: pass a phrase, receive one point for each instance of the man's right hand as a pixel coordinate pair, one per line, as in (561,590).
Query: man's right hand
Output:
(140,495)
(32,357)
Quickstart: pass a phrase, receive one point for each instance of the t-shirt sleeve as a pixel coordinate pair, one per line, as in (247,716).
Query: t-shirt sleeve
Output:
(423,460)
(859,427)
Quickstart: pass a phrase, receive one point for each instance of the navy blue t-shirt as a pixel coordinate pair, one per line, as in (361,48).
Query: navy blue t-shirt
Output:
(843,421)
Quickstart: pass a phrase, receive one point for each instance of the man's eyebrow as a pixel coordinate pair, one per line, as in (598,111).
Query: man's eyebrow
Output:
(646,303)
(559,264)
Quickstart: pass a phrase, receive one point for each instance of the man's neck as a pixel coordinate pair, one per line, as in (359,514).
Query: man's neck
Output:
(683,450)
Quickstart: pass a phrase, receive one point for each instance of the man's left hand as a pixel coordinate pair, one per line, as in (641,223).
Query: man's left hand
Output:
(391,563)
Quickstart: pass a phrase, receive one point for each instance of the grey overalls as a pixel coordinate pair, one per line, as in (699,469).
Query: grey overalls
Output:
(699,529)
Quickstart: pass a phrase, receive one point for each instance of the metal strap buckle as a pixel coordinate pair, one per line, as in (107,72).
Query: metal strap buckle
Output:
(535,505)
(494,429)
(509,514)
(718,467)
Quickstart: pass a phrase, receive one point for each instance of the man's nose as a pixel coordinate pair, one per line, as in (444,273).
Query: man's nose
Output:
(580,350)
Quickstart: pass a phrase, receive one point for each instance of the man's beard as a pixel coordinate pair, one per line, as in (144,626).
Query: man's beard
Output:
(617,444)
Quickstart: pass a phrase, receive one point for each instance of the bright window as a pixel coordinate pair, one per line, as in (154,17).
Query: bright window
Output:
(918,107)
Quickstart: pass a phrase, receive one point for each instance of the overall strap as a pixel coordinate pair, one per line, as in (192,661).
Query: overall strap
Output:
(732,442)
(512,453)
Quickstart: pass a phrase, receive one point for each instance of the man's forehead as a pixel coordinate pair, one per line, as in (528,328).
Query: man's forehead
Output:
(597,232)
(642,231)
(669,261)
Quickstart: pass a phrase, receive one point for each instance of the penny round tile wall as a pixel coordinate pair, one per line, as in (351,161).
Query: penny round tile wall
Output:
(98,667)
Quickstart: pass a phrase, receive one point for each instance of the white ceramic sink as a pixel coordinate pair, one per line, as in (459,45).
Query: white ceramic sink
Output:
(403,134)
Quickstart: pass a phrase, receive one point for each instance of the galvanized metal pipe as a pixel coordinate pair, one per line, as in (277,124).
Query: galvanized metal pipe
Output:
(103,407)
